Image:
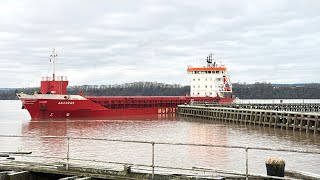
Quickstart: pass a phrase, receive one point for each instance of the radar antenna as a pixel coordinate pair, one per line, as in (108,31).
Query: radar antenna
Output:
(209,59)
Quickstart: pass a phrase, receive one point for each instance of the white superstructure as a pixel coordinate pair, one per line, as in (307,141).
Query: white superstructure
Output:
(211,80)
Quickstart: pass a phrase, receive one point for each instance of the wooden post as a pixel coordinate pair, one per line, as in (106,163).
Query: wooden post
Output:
(308,123)
(270,118)
(316,124)
(301,122)
(294,122)
(288,122)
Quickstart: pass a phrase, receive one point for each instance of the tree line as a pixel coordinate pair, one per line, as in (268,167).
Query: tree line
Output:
(241,90)
(277,91)
(128,89)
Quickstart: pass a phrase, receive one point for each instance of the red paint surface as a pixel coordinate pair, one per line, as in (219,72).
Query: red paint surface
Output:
(110,106)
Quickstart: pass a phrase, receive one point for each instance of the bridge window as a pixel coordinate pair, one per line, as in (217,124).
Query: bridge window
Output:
(198,79)
(194,79)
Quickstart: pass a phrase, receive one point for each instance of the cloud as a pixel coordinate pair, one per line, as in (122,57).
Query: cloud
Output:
(113,42)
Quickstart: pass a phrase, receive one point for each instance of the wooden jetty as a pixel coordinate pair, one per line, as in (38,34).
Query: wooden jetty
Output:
(302,121)
(296,107)
(22,170)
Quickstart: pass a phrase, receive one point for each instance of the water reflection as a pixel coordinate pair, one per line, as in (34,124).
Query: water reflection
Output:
(90,127)
(201,133)
(168,129)
(118,127)
(160,129)
(282,137)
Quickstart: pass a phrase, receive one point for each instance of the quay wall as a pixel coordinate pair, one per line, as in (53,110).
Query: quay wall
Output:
(297,107)
(301,121)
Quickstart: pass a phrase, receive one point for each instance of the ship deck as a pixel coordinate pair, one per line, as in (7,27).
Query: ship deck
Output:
(124,102)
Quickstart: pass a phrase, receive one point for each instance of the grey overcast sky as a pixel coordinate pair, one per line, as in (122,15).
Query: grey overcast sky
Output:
(115,42)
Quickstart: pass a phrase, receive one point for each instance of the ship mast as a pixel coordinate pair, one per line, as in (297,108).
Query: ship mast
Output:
(209,60)
(53,56)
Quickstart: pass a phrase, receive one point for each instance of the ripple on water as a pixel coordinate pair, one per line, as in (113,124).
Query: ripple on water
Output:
(13,120)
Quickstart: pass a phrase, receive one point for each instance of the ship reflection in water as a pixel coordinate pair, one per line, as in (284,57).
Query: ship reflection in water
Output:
(157,128)
(165,128)
(118,127)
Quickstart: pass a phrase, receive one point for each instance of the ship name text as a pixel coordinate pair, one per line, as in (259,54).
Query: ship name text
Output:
(66,102)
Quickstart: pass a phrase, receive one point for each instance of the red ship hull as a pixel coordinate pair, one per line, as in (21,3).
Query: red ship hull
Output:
(53,101)
(40,107)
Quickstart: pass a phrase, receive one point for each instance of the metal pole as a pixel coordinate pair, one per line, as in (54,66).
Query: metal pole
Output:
(247,163)
(152,161)
(54,55)
(68,153)
(54,63)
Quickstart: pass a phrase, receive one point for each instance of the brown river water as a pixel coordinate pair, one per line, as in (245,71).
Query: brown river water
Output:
(15,121)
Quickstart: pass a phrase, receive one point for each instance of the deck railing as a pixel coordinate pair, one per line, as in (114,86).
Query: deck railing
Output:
(57,78)
(152,145)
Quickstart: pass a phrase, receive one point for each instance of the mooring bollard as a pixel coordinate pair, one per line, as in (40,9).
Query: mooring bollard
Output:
(275,166)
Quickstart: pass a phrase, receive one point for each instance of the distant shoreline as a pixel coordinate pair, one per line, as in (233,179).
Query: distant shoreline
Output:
(242,91)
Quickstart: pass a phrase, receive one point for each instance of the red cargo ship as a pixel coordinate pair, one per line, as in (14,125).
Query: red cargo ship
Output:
(209,84)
